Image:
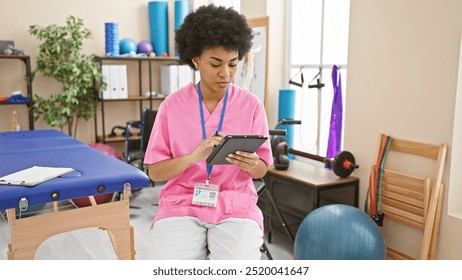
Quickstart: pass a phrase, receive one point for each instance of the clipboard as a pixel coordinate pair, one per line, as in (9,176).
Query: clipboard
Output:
(232,143)
(34,175)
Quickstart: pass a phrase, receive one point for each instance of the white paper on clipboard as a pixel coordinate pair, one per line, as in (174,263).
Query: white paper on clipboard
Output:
(34,175)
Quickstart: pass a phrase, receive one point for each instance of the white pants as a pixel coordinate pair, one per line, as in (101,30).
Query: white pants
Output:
(188,238)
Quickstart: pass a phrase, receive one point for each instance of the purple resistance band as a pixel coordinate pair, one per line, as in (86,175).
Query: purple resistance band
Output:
(335,131)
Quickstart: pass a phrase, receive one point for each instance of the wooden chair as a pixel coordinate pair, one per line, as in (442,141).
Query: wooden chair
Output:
(412,200)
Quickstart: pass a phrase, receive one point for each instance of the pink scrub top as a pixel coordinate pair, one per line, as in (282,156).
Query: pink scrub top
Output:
(177,131)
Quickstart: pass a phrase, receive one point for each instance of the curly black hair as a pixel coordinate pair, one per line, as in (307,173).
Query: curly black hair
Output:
(211,26)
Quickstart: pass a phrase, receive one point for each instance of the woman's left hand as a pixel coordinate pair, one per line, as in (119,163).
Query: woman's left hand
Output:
(244,160)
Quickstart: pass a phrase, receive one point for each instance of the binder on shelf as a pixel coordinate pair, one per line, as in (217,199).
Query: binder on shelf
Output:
(197,77)
(123,85)
(185,75)
(105,94)
(114,81)
(168,79)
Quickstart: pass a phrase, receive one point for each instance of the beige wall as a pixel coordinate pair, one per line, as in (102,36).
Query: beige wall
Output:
(402,80)
(275,10)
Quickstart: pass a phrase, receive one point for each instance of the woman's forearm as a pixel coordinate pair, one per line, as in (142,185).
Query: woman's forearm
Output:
(169,168)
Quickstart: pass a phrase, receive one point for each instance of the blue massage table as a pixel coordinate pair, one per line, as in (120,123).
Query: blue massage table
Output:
(95,173)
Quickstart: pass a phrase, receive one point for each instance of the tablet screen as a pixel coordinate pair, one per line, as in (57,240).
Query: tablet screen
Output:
(232,143)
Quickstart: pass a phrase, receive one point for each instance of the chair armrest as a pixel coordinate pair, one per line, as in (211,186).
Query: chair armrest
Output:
(135,124)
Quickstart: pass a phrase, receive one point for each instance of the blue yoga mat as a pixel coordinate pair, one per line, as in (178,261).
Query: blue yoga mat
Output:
(181,11)
(158,25)
(287,111)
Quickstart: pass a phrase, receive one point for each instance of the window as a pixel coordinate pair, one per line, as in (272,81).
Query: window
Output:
(318,39)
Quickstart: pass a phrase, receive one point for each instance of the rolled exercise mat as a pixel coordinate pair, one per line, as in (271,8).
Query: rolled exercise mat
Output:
(287,111)
(111,30)
(181,11)
(158,25)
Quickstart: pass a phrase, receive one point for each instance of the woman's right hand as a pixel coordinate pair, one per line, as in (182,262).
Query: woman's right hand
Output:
(205,148)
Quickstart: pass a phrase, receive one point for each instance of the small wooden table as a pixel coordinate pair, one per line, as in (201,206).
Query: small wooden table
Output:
(303,187)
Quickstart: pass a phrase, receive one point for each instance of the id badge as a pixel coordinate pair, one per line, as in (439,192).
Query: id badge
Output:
(205,194)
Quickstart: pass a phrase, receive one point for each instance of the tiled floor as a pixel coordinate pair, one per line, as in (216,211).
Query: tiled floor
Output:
(93,243)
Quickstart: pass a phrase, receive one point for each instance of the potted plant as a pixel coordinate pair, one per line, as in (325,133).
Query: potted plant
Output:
(60,58)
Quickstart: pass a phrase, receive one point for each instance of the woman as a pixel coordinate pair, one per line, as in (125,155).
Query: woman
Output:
(189,123)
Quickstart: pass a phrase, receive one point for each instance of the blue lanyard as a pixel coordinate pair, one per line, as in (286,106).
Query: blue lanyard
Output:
(220,124)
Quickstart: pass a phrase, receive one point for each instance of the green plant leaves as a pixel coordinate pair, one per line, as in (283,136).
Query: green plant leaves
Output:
(60,58)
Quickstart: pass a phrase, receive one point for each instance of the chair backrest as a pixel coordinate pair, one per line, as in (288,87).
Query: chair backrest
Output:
(412,200)
(147,122)
(135,148)
(339,232)
(405,198)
